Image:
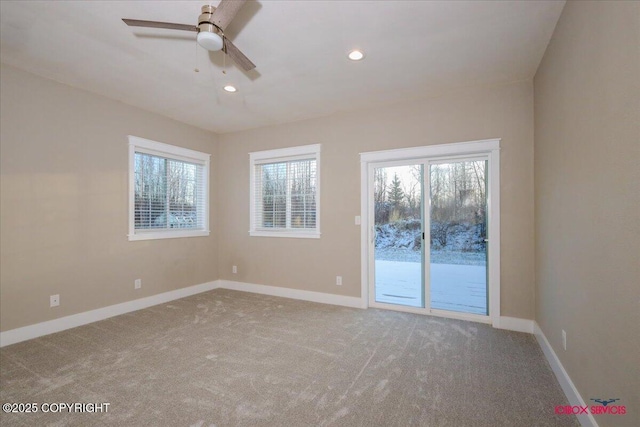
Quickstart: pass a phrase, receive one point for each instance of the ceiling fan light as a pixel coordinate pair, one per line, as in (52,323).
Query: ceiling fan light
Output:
(210,41)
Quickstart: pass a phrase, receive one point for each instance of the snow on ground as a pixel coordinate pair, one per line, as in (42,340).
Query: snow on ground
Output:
(402,240)
(454,287)
(437,256)
(458,268)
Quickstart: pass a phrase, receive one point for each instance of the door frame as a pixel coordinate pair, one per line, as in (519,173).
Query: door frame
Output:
(489,148)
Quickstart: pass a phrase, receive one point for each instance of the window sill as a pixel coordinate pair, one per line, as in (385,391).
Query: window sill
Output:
(156,235)
(290,234)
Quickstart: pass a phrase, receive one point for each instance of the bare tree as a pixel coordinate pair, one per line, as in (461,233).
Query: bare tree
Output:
(381,207)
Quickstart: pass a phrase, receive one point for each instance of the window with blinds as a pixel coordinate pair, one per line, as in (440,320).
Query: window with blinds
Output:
(285,189)
(168,191)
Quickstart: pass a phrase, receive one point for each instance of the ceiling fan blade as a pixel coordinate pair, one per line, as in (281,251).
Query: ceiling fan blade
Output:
(155,24)
(225,12)
(237,56)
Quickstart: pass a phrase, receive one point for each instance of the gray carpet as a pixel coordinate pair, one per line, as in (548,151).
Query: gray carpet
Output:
(228,358)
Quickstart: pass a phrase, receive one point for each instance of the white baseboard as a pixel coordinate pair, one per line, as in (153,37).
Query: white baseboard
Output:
(570,390)
(298,294)
(515,324)
(17,335)
(509,323)
(52,326)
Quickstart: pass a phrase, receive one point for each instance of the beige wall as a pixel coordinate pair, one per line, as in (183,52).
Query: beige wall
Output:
(587,169)
(311,264)
(64,203)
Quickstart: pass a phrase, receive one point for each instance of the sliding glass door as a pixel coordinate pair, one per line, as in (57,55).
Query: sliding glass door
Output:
(458,236)
(429,235)
(398,219)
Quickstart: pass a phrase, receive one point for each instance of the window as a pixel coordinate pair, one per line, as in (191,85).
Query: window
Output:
(168,191)
(285,192)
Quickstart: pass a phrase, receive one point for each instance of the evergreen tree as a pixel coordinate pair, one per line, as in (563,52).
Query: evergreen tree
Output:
(396,196)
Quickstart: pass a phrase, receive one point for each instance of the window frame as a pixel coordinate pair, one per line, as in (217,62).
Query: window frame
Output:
(154,148)
(303,152)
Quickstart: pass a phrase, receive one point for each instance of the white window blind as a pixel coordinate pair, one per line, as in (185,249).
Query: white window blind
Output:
(168,191)
(285,192)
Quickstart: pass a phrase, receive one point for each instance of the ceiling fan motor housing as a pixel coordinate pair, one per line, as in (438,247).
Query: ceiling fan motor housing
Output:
(205,20)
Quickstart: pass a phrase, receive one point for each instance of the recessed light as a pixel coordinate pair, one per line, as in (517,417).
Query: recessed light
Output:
(230,88)
(356,55)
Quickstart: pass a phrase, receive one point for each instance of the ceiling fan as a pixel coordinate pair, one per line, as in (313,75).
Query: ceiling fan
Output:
(210,29)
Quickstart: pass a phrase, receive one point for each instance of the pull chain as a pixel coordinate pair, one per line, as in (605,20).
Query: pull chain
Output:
(224,58)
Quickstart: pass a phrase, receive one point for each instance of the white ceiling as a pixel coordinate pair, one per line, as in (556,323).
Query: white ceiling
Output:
(414,49)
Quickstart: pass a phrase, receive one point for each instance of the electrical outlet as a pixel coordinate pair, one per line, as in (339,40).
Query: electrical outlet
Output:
(564,339)
(358,220)
(54,300)
(137,284)
(234,269)
(338,280)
